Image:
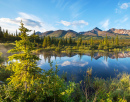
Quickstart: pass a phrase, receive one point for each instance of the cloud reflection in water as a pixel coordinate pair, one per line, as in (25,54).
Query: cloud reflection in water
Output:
(74,63)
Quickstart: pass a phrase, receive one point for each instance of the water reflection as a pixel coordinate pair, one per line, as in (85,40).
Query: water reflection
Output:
(104,64)
(92,54)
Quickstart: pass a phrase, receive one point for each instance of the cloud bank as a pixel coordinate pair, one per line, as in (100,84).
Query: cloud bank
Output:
(27,22)
(121,7)
(74,23)
(74,63)
(30,21)
(105,63)
(122,20)
(125,5)
(105,24)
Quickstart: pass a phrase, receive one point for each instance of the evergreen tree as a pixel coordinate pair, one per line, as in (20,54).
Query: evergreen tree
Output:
(91,42)
(0,29)
(100,47)
(34,33)
(34,36)
(73,41)
(48,41)
(106,44)
(112,41)
(6,34)
(24,67)
(16,33)
(80,41)
(78,44)
(44,42)
(1,33)
(19,34)
(86,43)
(106,41)
(59,44)
(117,41)
(66,40)
(70,40)
(52,40)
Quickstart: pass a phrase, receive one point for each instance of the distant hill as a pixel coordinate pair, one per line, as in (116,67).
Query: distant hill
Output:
(71,33)
(38,33)
(119,31)
(94,32)
(59,33)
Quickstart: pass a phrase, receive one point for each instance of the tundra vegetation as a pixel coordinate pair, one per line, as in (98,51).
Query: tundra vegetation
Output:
(23,81)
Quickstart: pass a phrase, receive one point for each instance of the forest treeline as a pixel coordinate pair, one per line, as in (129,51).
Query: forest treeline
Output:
(106,43)
(6,36)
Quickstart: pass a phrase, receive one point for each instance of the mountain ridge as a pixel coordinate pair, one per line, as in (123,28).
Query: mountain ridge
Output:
(94,32)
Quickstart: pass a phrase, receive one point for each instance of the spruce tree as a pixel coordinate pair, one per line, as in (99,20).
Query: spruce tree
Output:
(117,41)
(16,32)
(6,34)
(73,41)
(112,41)
(91,42)
(80,41)
(34,36)
(66,40)
(24,67)
(48,41)
(34,33)
(1,33)
(44,42)
(106,40)
(0,29)
(59,44)
(70,40)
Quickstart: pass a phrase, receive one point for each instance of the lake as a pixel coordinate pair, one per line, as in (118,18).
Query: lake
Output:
(104,65)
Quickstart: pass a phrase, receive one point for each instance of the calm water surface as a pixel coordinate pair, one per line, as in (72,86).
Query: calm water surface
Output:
(103,65)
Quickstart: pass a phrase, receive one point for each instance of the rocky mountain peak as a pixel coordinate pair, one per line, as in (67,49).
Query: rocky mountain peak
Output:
(97,29)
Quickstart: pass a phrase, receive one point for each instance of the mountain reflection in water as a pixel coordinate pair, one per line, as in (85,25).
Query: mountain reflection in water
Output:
(104,64)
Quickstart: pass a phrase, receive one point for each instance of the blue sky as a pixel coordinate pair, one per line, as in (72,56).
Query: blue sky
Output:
(78,15)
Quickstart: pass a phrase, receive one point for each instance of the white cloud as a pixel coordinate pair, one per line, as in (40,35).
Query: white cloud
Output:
(42,60)
(105,24)
(29,16)
(74,23)
(122,7)
(77,8)
(66,63)
(30,21)
(122,20)
(125,19)
(65,23)
(105,63)
(74,63)
(124,66)
(27,22)
(125,5)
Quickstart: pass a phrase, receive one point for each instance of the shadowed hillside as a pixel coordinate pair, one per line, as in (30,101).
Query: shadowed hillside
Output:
(94,32)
